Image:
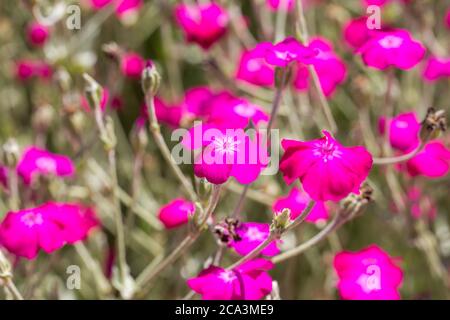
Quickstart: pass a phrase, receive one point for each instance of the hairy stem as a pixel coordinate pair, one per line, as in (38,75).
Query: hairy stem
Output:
(151,273)
(310,243)
(156,132)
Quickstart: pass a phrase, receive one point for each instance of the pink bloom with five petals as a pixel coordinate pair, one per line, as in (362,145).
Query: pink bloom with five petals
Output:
(392,49)
(297,200)
(204,24)
(327,169)
(176,213)
(369,274)
(47,227)
(249,281)
(228,153)
(35,161)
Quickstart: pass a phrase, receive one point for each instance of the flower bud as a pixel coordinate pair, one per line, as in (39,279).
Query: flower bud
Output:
(433,124)
(10,153)
(354,203)
(281,221)
(150,79)
(93,91)
(204,189)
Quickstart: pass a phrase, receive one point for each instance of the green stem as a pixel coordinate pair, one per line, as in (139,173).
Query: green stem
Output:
(159,140)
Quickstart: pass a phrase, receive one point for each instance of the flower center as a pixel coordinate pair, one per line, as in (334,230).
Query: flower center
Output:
(254,65)
(254,234)
(391,42)
(30,219)
(401,124)
(244,110)
(371,280)
(46,165)
(327,151)
(226,145)
(227,276)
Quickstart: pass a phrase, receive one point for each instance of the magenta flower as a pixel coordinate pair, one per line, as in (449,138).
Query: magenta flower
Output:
(249,281)
(128,7)
(47,227)
(287,51)
(123,8)
(296,201)
(369,274)
(132,65)
(280,4)
(229,111)
(229,153)
(176,213)
(166,114)
(253,68)
(329,67)
(437,68)
(433,161)
(251,235)
(403,131)
(27,69)
(197,101)
(203,24)
(327,169)
(392,49)
(103,101)
(4,177)
(37,34)
(36,161)
(356,32)
(421,205)
(374,2)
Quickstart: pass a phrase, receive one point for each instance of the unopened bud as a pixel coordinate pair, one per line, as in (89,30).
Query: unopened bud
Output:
(204,189)
(433,124)
(354,203)
(150,79)
(93,91)
(281,220)
(10,153)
